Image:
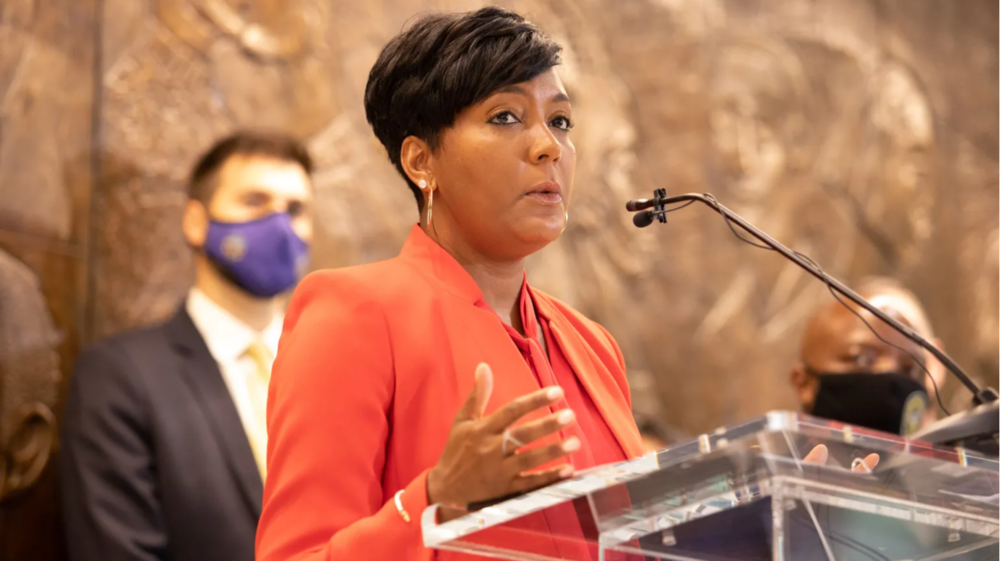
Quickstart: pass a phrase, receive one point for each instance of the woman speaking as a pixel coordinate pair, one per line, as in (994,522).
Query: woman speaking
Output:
(441,376)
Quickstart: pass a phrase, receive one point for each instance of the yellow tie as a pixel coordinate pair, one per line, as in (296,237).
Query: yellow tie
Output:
(257,389)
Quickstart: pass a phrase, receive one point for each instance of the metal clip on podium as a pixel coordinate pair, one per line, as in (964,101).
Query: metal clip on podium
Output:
(744,493)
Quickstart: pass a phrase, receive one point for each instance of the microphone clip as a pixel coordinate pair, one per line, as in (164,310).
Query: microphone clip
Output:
(655,209)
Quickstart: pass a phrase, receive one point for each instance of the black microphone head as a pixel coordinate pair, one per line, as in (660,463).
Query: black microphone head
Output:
(642,219)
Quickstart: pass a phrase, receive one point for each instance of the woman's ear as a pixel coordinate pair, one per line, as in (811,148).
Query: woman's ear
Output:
(417,160)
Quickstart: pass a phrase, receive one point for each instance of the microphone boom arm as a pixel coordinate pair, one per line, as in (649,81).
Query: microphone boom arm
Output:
(659,213)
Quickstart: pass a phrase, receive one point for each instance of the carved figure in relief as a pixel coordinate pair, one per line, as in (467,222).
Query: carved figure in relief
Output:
(826,167)
(29,378)
(279,43)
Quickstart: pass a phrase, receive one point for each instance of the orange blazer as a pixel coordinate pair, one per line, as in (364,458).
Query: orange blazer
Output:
(373,365)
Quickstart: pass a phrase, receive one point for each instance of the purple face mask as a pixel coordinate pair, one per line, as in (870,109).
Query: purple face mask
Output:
(264,257)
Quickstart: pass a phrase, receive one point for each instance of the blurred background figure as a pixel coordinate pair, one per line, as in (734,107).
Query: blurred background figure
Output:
(165,435)
(860,375)
(890,296)
(655,432)
(653,437)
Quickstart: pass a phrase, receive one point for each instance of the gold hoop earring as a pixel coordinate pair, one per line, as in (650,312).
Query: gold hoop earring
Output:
(430,207)
(430,201)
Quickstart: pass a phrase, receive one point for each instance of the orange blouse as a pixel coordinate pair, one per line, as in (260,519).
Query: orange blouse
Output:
(599,445)
(372,367)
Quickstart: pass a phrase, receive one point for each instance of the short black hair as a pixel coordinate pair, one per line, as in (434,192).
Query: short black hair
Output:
(266,144)
(444,63)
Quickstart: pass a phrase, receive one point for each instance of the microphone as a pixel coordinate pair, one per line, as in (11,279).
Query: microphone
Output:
(659,205)
(645,217)
(639,204)
(642,219)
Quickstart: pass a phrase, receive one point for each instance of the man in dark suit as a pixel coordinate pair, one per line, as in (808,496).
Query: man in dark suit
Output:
(164,439)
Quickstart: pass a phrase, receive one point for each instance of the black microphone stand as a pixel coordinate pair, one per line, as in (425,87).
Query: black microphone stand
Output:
(656,209)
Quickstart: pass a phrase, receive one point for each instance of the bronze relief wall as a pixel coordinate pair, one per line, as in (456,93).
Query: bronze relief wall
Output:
(46,105)
(863,133)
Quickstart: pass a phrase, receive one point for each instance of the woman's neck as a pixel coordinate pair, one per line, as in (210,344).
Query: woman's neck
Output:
(501,287)
(499,281)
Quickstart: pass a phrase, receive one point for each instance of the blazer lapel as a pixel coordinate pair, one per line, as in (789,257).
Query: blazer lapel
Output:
(201,373)
(483,325)
(599,384)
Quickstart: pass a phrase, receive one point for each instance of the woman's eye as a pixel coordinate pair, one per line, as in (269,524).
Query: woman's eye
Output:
(503,118)
(562,123)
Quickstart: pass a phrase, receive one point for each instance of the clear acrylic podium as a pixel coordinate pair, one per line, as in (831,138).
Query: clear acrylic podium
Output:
(744,493)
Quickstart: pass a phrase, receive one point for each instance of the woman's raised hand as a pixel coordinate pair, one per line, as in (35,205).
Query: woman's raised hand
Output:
(480,461)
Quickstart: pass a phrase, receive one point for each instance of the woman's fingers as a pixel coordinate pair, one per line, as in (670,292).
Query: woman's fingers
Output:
(475,404)
(531,481)
(530,459)
(507,415)
(530,432)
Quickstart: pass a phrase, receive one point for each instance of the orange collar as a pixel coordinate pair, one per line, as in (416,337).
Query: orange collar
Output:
(422,251)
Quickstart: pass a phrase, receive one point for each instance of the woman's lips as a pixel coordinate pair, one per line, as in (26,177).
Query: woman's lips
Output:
(545,197)
(548,193)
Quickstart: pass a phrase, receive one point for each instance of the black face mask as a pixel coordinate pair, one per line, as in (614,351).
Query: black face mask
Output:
(888,402)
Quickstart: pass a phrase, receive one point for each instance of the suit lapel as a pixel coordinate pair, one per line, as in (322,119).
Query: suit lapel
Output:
(599,384)
(201,373)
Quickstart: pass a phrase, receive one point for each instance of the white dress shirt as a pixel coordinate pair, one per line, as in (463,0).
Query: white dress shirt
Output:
(228,340)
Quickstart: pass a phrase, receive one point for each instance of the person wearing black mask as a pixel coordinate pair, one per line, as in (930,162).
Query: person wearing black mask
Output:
(862,376)
(891,296)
